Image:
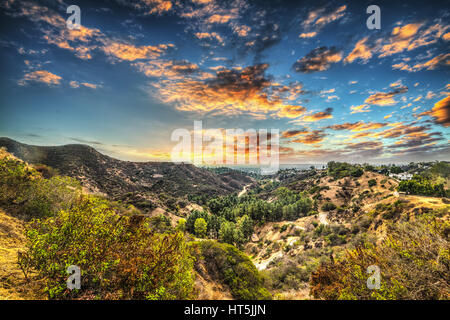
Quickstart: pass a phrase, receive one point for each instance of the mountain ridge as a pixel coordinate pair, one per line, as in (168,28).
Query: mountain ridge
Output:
(100,173)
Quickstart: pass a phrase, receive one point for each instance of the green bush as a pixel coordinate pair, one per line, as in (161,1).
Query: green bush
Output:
(328,206)
(413,260)
(200,227)
(234,269)
(23,187)
(119,258)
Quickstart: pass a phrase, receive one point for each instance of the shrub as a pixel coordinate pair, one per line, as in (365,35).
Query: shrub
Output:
(413,260)
(372,183)
(200,227)
(234,269)
(22,186)
(328,206)
(118,259)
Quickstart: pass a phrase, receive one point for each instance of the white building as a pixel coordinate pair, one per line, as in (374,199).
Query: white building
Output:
(401,176)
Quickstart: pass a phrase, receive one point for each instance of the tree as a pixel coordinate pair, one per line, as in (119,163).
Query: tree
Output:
(372,182)
(245,224)
(181,225)
(193,217)
(227,232)
(200,227)
(328,206)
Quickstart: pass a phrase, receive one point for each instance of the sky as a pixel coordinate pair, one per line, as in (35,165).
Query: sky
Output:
(137,70)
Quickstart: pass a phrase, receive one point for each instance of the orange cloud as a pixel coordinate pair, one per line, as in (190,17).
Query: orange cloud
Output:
(385,98)
(357,126)
(293,133)
(308,34)
(408,37)
(231,91)
(312,138)
(207,35)
(440,112)
(319,116)
(129,52)
(361,51)
(319,59)
(220,19)
(242,31)
(317,18)
(360,109)
(41,76)
(291,111)
(167,68)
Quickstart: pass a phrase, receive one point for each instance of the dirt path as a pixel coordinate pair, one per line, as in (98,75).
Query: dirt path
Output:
(323,218)
(244,190)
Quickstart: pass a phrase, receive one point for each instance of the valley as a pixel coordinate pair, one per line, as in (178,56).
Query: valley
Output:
(234,236)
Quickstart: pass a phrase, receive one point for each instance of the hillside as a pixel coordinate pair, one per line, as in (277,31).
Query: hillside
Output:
(280,237)
(139,183)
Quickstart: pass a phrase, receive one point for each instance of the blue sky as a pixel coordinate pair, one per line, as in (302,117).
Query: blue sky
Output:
(137,70)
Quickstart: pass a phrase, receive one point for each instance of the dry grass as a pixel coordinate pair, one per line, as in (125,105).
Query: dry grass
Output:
(13,285)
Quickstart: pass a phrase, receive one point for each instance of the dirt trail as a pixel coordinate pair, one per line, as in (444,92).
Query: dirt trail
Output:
(244,190)
(323,218)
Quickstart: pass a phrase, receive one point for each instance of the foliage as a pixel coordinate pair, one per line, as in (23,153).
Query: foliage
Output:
(414,261)
(228,233)
(422,186)
(372,183)
(200,227)
(340,170)
(119,257)
(234,269)
(22,186)
(328,206)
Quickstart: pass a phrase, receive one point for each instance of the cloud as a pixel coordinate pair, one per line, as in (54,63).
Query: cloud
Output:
(291,111)
(241,30)
(408,37)
(442,59)
(209,36)
(84,141)
(430,95)
(149,7)
(40,76)
(440,112)
(357,126)
(361,51)
(293,133)
(439,60)
(319,59)
(314,137)
(129,52)
(385,98)
(308,35)
(232,91)
(360,109)
(169,69)
(318,18)
(318,116)
(76,84)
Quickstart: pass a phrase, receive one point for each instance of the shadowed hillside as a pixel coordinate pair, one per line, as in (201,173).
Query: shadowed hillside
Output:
(137,180)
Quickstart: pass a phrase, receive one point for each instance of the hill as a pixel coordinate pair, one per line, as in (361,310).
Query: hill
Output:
(145,184)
